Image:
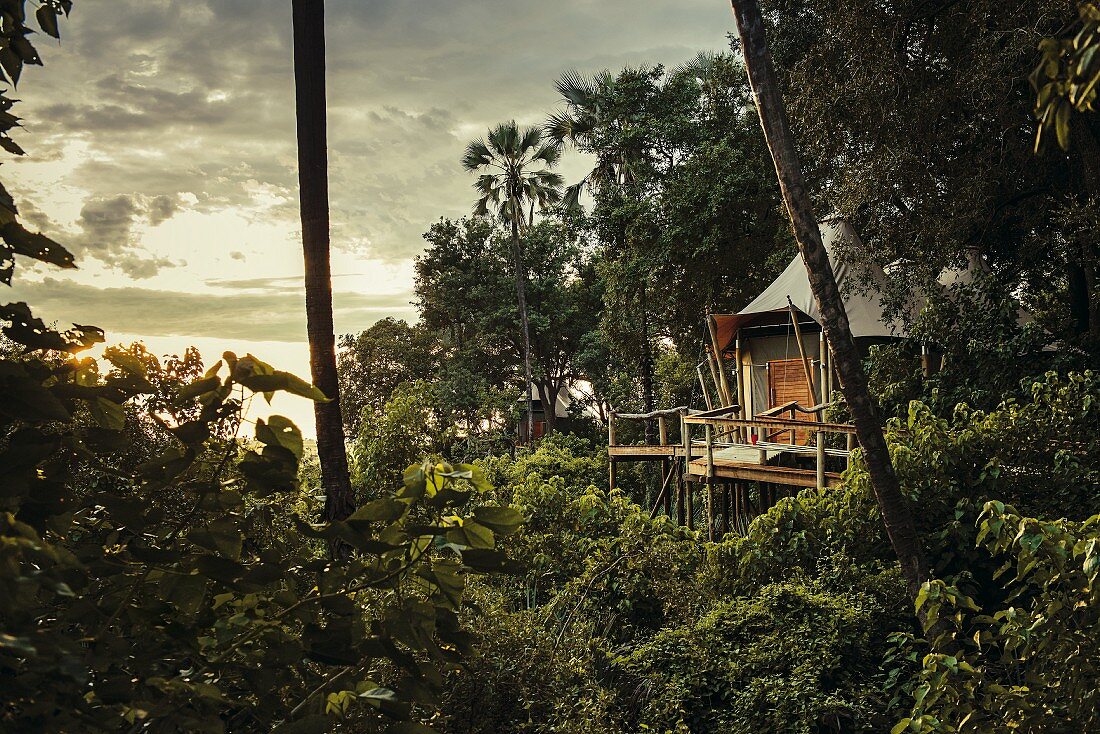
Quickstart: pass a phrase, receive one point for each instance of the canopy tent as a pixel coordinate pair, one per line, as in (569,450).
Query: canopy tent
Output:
(862,301)
(775,363)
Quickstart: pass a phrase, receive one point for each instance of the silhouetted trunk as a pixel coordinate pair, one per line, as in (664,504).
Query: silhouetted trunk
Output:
(309,89)
(647,368)
(896,513)
(521,298)
(1084,308)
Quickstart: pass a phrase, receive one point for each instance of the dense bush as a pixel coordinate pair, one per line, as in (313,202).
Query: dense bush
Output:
(159,599)
(626,624)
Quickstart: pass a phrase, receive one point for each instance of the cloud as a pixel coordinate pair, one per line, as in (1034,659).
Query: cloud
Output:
(107,232)
(277,315)
(197,97)
(161,208)
(107,224)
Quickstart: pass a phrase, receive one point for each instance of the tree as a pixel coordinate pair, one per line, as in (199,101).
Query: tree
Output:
(374,362)
(895,510)
(931,165)
(505,158)
(606,115)
(458,278)
(684,205)
(309,88)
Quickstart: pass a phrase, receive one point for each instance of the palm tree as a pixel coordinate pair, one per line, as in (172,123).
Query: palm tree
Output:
(510,188)
(585,123)
(590,123)
(309,88)
(895,510)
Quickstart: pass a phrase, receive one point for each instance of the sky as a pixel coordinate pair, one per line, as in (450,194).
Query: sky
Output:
(160,141)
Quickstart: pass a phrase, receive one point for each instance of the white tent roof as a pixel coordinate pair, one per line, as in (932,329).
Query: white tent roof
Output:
(863,304)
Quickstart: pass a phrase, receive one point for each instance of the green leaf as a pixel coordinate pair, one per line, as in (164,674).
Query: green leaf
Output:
(107,414)
(221,536)
(501,520)
(199,387)
(471,535)
(47,21)
(383,510)
(36,246)
(26,398)
(280,431)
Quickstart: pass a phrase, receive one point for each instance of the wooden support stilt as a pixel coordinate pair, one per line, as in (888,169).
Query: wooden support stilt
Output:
(727,504)
(681,510)
(710,510)
(668,495)
(738,505)
(611,477)
(710,482)
(663,494)
(689,491)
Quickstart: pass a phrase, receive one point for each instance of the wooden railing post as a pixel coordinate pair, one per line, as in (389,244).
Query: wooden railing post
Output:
(611,469)
(820,436)
(710,482)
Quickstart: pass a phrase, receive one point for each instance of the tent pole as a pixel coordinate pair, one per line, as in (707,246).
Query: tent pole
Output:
(802,349)
(739,376)
(822,353)
(703,386)
(711,362)
(720,361)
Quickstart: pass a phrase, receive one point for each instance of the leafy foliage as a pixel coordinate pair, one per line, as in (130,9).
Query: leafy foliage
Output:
(1030,661)
(1067,74)
(152,599)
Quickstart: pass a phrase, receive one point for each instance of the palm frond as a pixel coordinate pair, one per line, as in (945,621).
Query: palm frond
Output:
(529,138)
(488,185)
(502,139)
(476,156)
(481,208)
(572,197)
(575,88)
(548,153)
(548,179)
(559,127)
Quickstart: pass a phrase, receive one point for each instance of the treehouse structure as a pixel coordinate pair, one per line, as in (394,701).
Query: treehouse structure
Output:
(767,384)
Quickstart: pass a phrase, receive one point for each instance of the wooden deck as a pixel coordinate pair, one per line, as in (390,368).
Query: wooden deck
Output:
(732,457)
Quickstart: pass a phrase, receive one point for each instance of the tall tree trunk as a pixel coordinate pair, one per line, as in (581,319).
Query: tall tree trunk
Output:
(309,89)
(896,513)
(521,298)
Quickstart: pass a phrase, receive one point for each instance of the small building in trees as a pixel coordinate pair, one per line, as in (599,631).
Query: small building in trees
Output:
(774,349)
(570,413)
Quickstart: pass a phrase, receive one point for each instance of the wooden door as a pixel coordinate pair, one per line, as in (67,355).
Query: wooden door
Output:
(787,382)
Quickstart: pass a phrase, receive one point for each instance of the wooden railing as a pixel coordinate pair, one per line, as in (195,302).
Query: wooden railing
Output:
(721,431)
